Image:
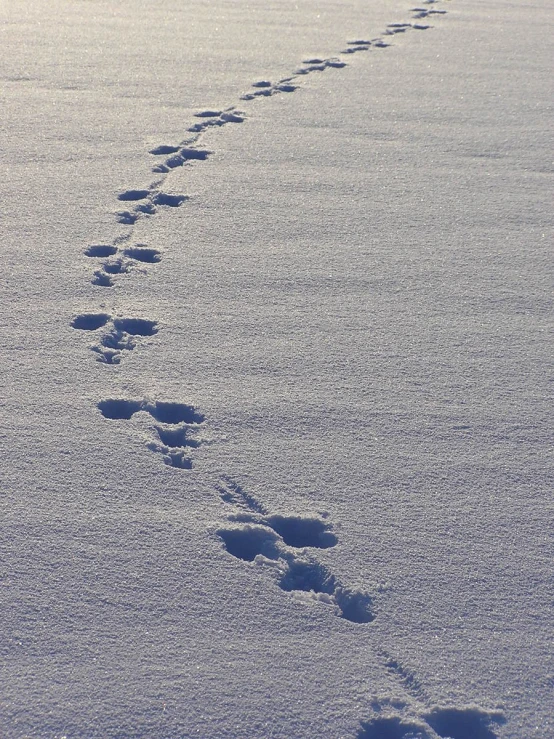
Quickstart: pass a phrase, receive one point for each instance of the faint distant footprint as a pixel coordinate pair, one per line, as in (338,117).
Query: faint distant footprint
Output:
(274,541)
(147,202)
(176,433)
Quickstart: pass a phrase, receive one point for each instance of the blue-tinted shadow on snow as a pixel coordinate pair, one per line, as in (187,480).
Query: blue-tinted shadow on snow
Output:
(177,421)
(164,412)
(297,531)
(100,250)
(464,723)
(143,254)
(391,728)
(90,321)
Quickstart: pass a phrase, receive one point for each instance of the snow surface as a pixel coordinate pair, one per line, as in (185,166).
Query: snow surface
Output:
(276,425)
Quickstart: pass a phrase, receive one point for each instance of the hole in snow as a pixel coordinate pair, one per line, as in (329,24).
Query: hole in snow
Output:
(90,321)
(100,250)
(119,408)
(246,543)
(302,532)
(463,723)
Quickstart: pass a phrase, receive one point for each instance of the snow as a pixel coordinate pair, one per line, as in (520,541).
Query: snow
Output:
(276,422)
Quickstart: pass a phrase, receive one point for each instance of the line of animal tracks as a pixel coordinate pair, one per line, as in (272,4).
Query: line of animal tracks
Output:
(285,546)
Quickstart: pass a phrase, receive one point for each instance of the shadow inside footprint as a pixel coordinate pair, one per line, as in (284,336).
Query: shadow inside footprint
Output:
(176,437)
(177,458)
(302,532)
(133,195)
(173,201)
(166,412)
(143,254)
(90,321)
(249,541)
(391,728)
(117,267)
(100,250)
(354,606)
(463,723)
(118,408)
(164,149)
(307,575)
(136,326)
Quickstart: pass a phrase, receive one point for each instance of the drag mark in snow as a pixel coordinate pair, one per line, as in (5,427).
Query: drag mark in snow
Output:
(273,541)
(406,677)
(176,432)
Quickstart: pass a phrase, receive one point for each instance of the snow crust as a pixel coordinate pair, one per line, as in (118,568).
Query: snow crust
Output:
(277,344)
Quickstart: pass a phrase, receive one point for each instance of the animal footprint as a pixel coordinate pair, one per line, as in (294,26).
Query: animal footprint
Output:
(447,723)
(143,254)
(146,200)
(100,250)
(392,727)
(216,118)
(176,432)
(464,723)
(138,253)
(355,46)
(179,157)
(320,65)
(120,336)
(271,540)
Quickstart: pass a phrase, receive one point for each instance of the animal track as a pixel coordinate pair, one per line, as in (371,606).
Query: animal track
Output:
(464,723)
(425,12)
(452,722)
(320,65)
(391,728)
(180,156)
(143,254)
(90,321)
(100,250)
(119,337)
(448,723)
(133,195)
(270,540)
(177,429)
(148,200)
(138,253)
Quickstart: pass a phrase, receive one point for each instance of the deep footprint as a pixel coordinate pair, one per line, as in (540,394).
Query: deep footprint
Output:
(133,195)
(464,723)
(90,321)
(100,250)
(143,254)
(120,338)
(391,728)
(274,536)
(302,532)
(184,418)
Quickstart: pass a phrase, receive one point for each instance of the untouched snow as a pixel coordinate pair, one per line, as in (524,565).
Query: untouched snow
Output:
(276,423)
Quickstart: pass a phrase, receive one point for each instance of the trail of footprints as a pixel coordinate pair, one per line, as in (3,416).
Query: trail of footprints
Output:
(122,257)
(284,546)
